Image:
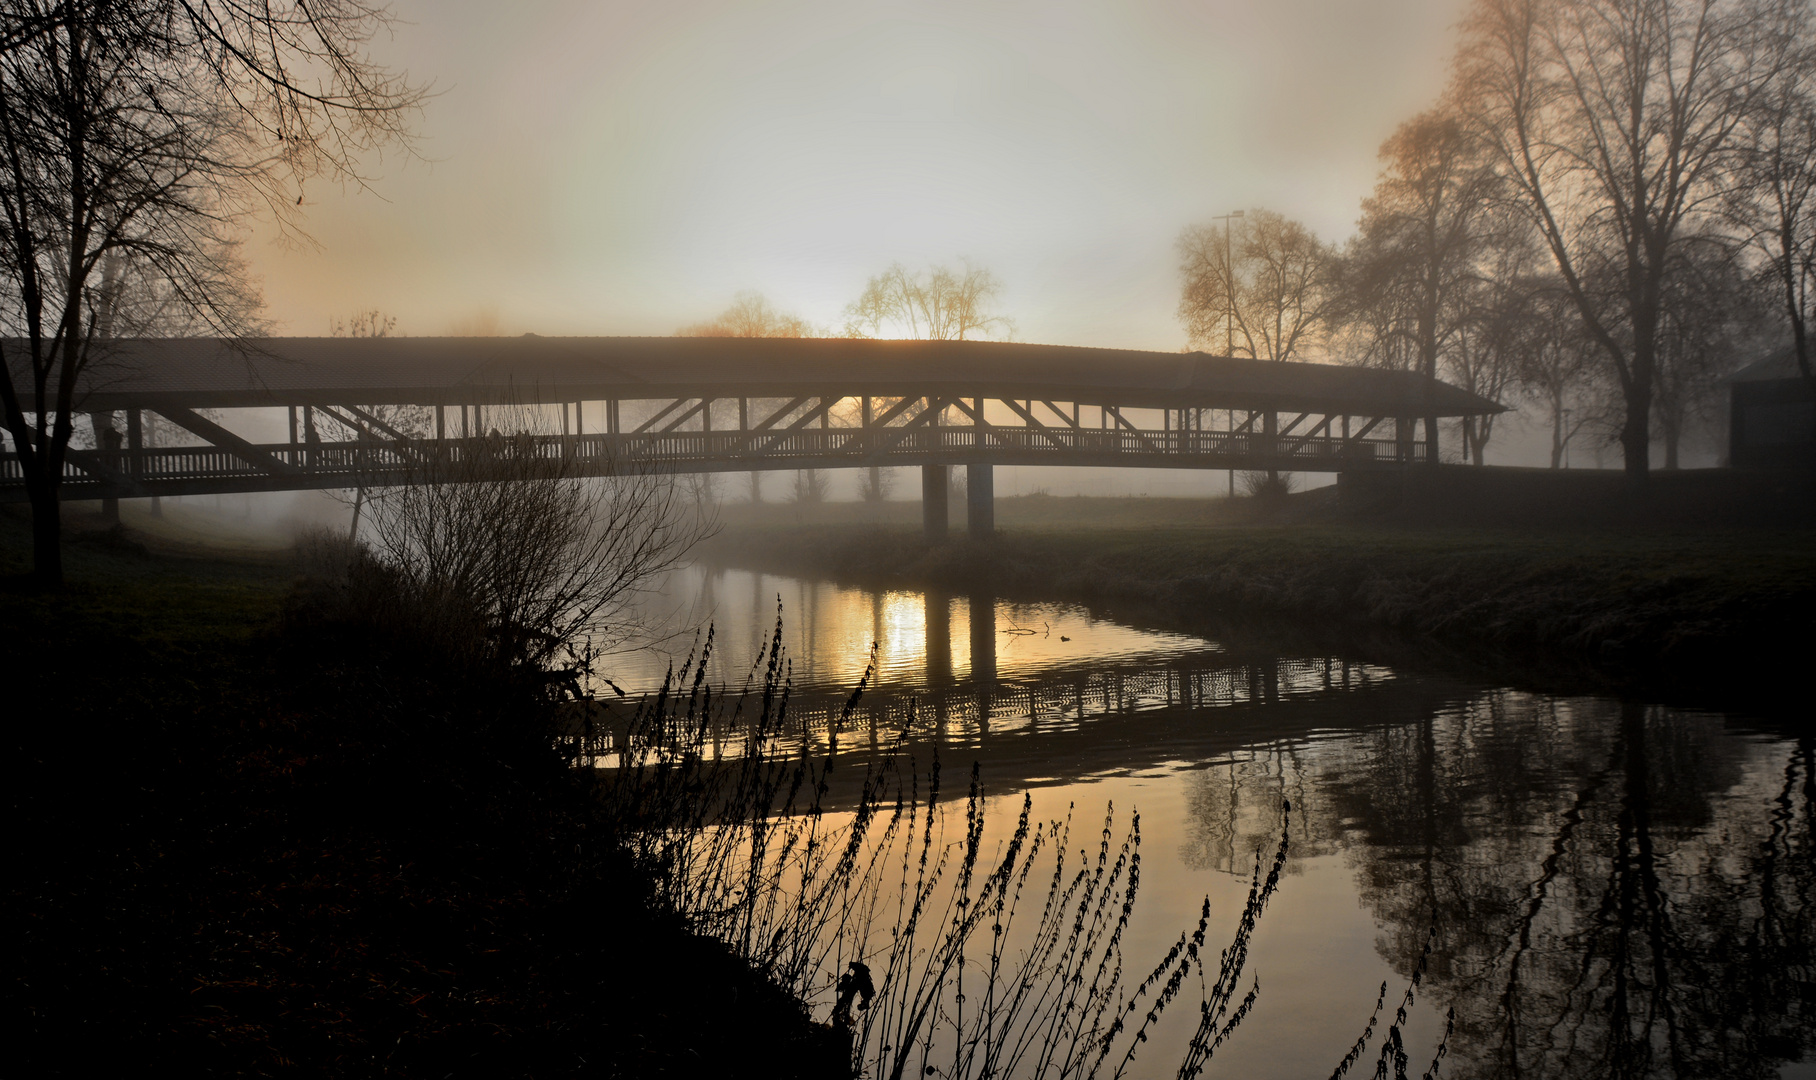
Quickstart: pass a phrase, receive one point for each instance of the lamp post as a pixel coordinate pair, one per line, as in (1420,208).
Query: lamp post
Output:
(1229,315)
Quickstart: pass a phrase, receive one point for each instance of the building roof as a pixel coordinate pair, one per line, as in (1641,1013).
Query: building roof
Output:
(1771,367)
(205,372)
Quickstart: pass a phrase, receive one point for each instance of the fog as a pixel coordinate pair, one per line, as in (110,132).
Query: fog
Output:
(626,168)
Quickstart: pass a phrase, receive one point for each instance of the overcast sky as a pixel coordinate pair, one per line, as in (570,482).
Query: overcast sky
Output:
(624,168)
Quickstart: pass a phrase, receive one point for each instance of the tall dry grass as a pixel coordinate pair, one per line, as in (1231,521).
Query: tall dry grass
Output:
(934,951)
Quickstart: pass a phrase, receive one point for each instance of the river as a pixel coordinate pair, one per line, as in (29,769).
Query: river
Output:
(1609,887)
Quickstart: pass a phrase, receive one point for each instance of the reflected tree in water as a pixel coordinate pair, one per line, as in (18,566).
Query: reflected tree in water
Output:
(1619,890)
(1237,807)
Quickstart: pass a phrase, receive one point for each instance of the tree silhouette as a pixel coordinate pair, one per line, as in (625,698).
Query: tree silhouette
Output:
(940,304)
(151,130)
(1616,126)
(1270,294)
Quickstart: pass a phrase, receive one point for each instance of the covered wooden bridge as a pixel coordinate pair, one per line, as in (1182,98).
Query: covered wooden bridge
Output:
(371,411)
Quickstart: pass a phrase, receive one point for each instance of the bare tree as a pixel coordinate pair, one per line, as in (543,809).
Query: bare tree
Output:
(1712,318)
(153,129)
(1773,201)
(1615,123)
(941,304)
(1486,362)
(1559,368)
(1407,284)
(1267,286)
(876,484)
(365,323)
(512,553)
(750,316)
(810,486)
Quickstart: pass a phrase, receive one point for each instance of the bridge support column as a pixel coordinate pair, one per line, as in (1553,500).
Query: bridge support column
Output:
(983,649)
(107,440)
(980,501)
(937,611)
(933,501)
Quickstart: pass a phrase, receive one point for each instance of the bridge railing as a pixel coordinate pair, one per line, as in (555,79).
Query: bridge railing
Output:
(861,443)
(372,462)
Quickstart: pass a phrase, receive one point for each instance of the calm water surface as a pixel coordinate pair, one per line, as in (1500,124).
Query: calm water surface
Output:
(1617,888)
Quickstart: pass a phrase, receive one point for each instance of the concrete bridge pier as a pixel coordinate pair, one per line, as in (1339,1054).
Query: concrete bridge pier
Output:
(980,501)
(933,501)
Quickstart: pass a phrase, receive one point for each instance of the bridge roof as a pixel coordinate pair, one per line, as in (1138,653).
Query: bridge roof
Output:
(203,372)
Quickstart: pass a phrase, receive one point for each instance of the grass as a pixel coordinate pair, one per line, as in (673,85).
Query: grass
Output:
(1661,608)
(144,588)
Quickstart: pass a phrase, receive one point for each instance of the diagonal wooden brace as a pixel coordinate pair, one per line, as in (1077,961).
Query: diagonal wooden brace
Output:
(799,422)
(1133,430)
(190,421)
(924,418)
(1036,425)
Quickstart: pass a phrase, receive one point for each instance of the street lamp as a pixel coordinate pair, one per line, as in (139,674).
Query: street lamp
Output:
(1229,315)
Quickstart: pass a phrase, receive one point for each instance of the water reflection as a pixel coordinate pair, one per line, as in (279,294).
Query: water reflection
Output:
(923,640)
(1617,889)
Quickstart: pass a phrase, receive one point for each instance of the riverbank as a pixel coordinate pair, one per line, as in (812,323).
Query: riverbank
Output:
(1676,611)
(251,839)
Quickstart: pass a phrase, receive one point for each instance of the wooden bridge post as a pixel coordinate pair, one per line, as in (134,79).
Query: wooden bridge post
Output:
(107,443)
(135,442)
(933,501)
(980,501)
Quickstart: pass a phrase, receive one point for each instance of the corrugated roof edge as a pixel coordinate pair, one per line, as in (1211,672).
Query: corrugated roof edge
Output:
(1080,367)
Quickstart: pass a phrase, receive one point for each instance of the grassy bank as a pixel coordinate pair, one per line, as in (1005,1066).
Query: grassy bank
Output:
(252,840)
(1670,609)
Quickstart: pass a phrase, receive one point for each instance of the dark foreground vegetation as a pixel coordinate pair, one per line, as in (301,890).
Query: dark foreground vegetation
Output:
(263,826)
(254,834)
(1682,608)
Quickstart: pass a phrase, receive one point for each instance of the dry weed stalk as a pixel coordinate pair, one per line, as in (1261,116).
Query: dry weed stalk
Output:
(897,902)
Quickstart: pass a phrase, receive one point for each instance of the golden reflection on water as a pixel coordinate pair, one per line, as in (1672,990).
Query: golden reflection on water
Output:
(923,640)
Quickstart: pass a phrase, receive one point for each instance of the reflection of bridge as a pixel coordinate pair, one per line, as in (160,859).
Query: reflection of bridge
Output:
(604,405)
(1059,722)
(1072,722)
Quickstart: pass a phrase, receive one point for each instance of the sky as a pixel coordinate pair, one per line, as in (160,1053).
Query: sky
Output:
(628,167)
